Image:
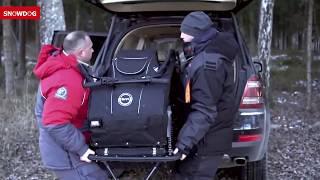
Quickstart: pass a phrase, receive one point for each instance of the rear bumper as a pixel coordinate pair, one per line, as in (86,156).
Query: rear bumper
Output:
(250,151)
(249,122)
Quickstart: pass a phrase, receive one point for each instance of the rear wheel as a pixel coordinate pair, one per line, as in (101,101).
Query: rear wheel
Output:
(255,170)
(252,171)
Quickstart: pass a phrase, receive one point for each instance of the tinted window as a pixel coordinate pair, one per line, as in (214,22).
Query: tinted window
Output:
(96,38)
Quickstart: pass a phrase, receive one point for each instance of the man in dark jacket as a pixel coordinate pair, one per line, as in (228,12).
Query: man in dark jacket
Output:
(61,109)
(210,103)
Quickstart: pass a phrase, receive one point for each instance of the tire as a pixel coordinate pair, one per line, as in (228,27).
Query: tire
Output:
(251,171)
(255,170)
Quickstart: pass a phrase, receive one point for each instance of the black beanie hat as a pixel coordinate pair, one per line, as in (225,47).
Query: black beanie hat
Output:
(196,23)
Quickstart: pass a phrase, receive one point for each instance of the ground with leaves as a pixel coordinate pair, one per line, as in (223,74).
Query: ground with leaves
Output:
(294,140)
(19,153)
(295,135)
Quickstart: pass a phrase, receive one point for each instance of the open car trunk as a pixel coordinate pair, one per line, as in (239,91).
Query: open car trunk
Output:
(142,6)
(125,104)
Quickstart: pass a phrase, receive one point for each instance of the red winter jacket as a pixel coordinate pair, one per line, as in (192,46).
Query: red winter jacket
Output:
(64,109)
(61,71)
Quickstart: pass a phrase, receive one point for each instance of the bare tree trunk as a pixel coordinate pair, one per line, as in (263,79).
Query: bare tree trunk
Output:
(252,37)
(264,40)
(316,30)
(90,24)
(282,40)
(300,43)
(22,50)
(21,55)
(309,53)
(37,36)
(52,18)
(8,54)
(77,24)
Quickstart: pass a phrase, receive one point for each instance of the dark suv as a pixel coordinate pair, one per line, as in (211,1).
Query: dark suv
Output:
(138,24)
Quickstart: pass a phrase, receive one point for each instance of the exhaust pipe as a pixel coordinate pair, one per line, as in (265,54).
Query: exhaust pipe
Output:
(241,161)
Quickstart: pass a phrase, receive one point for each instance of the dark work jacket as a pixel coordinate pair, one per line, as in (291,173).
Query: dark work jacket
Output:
(210,113)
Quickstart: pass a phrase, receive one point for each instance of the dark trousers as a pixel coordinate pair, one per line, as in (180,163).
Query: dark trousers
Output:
(198,167)
(88,171)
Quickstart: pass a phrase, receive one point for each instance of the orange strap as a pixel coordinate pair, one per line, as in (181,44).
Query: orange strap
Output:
(187,93)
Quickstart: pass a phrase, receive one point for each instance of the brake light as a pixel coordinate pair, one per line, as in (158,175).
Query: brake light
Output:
(250,138)
(252,97)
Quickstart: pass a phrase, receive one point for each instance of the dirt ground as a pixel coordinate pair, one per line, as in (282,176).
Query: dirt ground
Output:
(294,151)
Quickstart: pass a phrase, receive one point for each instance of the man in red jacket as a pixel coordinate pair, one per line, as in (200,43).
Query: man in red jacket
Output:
(61,109)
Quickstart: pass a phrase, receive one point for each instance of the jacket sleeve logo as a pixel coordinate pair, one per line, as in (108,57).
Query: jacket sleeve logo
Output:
(61,93)
(125,99)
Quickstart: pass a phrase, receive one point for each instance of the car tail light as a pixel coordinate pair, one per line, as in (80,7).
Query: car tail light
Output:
(250,138)
(248,126)
(248,121)
(252,97)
